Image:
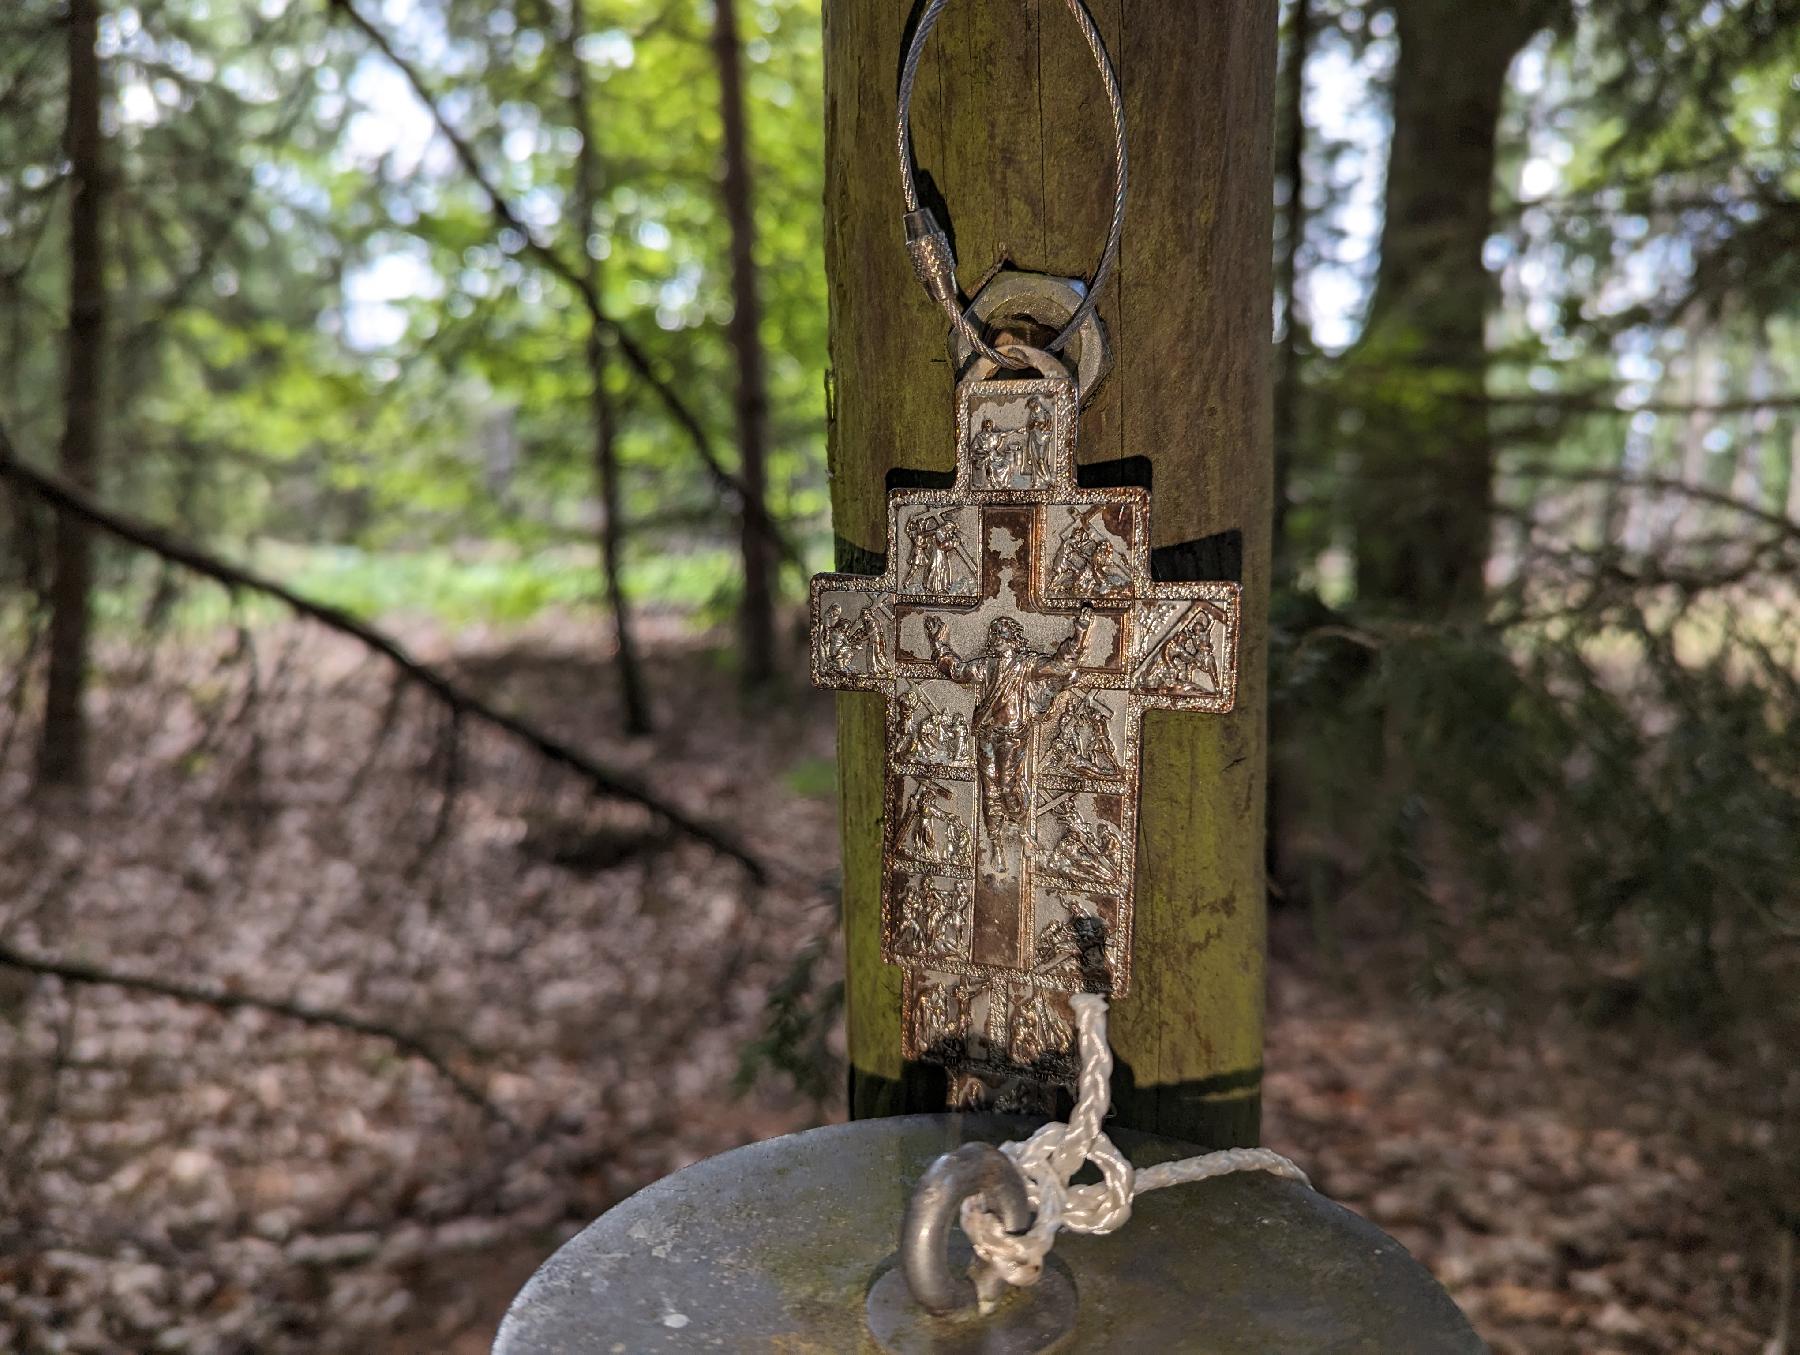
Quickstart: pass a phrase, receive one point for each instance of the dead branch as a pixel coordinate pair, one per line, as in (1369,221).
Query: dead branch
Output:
(79,971)
(552,259)
(384,728)
(36,633)
(234,578)
(447,768)
(22,1157)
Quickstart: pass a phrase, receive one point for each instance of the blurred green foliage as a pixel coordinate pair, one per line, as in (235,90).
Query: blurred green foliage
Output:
(327,341)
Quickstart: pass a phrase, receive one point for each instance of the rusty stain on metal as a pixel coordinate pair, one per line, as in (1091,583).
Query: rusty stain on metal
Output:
(1019,638)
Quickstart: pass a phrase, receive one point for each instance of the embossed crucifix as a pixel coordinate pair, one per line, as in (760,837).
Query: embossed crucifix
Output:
(1019,638)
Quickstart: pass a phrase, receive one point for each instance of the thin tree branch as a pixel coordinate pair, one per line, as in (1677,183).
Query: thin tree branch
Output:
(27,67)
(211,239)
(37,633)
(79,971)
(67,500)
(1661,484)
(1599,401)
(1671,188)
(633,352)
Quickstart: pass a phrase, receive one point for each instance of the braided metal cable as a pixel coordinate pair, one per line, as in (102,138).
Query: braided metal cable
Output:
(926,242)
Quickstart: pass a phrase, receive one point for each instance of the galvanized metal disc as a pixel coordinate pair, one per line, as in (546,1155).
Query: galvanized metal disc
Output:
(773,1247)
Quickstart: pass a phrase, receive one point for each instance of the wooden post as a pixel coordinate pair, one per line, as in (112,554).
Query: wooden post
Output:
(63,741)
(1011,137)
(1422,357)
(756,613)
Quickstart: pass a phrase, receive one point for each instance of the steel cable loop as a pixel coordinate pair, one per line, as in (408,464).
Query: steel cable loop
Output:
(926,242)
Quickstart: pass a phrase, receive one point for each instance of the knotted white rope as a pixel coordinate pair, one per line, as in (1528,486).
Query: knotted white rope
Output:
(1051,1157)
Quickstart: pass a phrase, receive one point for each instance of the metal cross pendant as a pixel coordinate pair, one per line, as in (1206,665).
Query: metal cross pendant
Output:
(1019,638)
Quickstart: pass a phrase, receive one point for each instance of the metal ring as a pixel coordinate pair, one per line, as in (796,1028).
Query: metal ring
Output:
(1021,357)
(926,241)
(1044,301)
(973,1169)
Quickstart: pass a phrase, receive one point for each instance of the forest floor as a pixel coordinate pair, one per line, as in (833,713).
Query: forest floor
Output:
(269,820)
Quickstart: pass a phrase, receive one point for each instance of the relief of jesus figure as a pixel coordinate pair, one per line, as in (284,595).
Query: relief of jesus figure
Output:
(1018,689)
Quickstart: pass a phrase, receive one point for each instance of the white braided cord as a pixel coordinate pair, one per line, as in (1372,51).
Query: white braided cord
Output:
(1053,1154)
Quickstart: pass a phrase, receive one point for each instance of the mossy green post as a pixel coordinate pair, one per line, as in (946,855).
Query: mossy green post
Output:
(1010,126)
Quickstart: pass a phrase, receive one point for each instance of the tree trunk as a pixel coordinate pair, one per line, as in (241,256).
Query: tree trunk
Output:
(1421,501)
(62,752)
(745,334)
(1288,390)
(1011,127)
(1750,472)
(600,406)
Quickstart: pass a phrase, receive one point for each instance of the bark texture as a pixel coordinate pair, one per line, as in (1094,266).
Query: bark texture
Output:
(62,750)
(745,335)
(1289,391)
(1012,134)
(1422,499)
(600,407)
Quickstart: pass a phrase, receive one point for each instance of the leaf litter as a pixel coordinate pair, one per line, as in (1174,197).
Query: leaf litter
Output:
(177,1179)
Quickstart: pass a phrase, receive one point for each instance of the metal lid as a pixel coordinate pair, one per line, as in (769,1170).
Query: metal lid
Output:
(773,1248)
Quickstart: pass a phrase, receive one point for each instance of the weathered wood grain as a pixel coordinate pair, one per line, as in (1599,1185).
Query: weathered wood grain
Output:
(1011,131)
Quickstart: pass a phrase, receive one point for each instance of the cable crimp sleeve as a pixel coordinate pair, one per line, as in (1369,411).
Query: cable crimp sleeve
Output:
(932,260)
